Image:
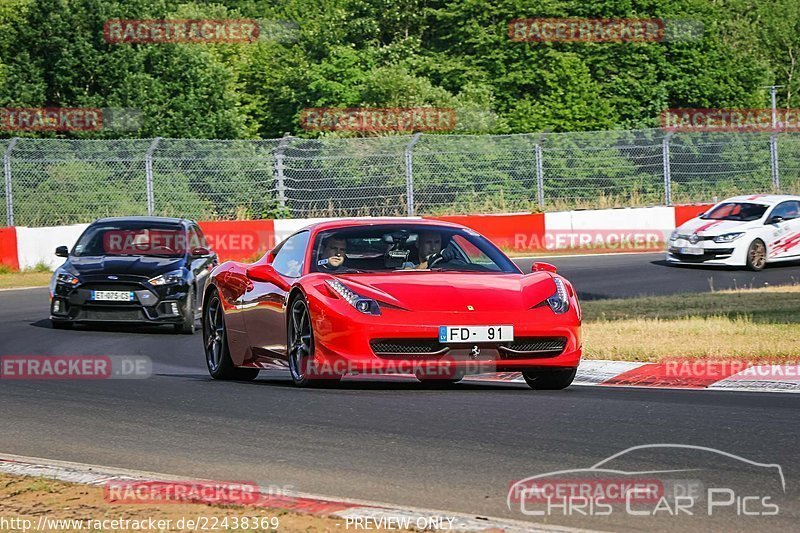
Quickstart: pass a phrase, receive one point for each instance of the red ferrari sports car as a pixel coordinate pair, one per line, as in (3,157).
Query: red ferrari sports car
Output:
(383,296)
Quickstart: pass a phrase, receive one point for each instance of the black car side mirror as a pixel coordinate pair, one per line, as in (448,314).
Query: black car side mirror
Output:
(777,219)
(62,251)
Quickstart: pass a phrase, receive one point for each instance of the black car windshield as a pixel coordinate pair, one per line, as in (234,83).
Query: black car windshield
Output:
(135,240)
(742,211)
(389,248)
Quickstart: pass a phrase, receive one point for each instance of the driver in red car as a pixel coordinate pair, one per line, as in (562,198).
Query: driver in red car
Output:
(429,244)
(332,256)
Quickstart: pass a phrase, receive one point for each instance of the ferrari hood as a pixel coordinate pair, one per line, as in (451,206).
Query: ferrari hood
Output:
(454,291)
(706,228)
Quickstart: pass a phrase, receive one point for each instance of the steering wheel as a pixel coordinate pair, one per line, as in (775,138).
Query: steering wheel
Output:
(437,258)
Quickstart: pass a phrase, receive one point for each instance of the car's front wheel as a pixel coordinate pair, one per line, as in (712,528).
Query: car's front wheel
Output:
(549,379)
(300,346)
(756,255)
(188,324)
(215,339)
(61,324)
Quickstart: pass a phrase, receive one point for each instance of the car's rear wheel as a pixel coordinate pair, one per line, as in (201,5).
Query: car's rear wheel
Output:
(215,340)
(188,325)
(300,346)
(549,379)
(756,255)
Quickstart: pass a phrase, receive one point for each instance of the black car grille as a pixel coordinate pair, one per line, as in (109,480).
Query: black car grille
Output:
(111,314)
(406,346)
(541,346)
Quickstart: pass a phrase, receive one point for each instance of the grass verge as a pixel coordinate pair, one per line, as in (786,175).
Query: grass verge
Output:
(751,324)
(28,498)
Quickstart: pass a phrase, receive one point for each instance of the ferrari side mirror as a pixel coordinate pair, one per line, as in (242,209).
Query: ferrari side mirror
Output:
(539,266)
(267,274)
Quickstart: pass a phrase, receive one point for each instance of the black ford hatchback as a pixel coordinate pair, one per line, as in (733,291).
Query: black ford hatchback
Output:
(136,270)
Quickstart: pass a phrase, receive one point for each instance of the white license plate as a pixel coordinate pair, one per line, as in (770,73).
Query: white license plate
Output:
(470,334)
(692,251)
(112,296)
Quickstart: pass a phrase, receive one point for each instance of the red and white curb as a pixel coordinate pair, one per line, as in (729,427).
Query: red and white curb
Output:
(698,374)
(374,513)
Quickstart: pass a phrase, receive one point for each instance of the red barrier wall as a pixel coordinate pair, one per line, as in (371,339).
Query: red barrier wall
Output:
(8,248)
(688,212)
(239,240)
(522,232)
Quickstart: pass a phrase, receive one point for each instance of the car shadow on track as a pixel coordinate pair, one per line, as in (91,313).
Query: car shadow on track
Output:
(166,329)
(395,383)
(726,268)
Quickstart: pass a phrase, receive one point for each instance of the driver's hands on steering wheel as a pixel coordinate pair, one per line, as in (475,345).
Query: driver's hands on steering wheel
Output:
(448,254)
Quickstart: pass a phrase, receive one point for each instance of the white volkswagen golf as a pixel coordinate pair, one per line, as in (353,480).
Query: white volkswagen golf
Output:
(748,231)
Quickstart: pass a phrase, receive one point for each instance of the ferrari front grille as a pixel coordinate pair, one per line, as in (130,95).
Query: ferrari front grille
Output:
(539,346)
(407,347)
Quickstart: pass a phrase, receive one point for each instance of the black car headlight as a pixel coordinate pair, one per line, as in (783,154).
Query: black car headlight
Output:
(559,302)
(168,278)
(368,306)
(66,278)
(728,237)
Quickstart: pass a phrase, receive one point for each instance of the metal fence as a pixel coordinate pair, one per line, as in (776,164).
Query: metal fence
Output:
(60,181)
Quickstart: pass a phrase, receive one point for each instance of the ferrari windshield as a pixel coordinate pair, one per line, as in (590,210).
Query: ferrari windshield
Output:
(742,211)
(406,247)
(121,240)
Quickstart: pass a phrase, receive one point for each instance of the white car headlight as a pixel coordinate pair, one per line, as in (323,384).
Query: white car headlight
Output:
(368,306)
(673,235)
(728,237)
(559,302)
(174,276)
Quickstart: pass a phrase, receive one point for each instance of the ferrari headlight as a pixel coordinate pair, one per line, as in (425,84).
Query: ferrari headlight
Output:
(368,306)
(174,276)
(728,237)
(66,278)
(559,302)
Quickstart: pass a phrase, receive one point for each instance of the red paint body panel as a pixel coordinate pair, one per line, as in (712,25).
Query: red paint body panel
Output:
(414,304)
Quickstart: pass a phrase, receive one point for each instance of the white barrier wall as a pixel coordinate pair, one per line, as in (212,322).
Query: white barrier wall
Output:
(38,245)
(631,218)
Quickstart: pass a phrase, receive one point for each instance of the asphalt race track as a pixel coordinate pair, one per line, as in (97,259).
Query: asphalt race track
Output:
(626,275)
(455,448)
